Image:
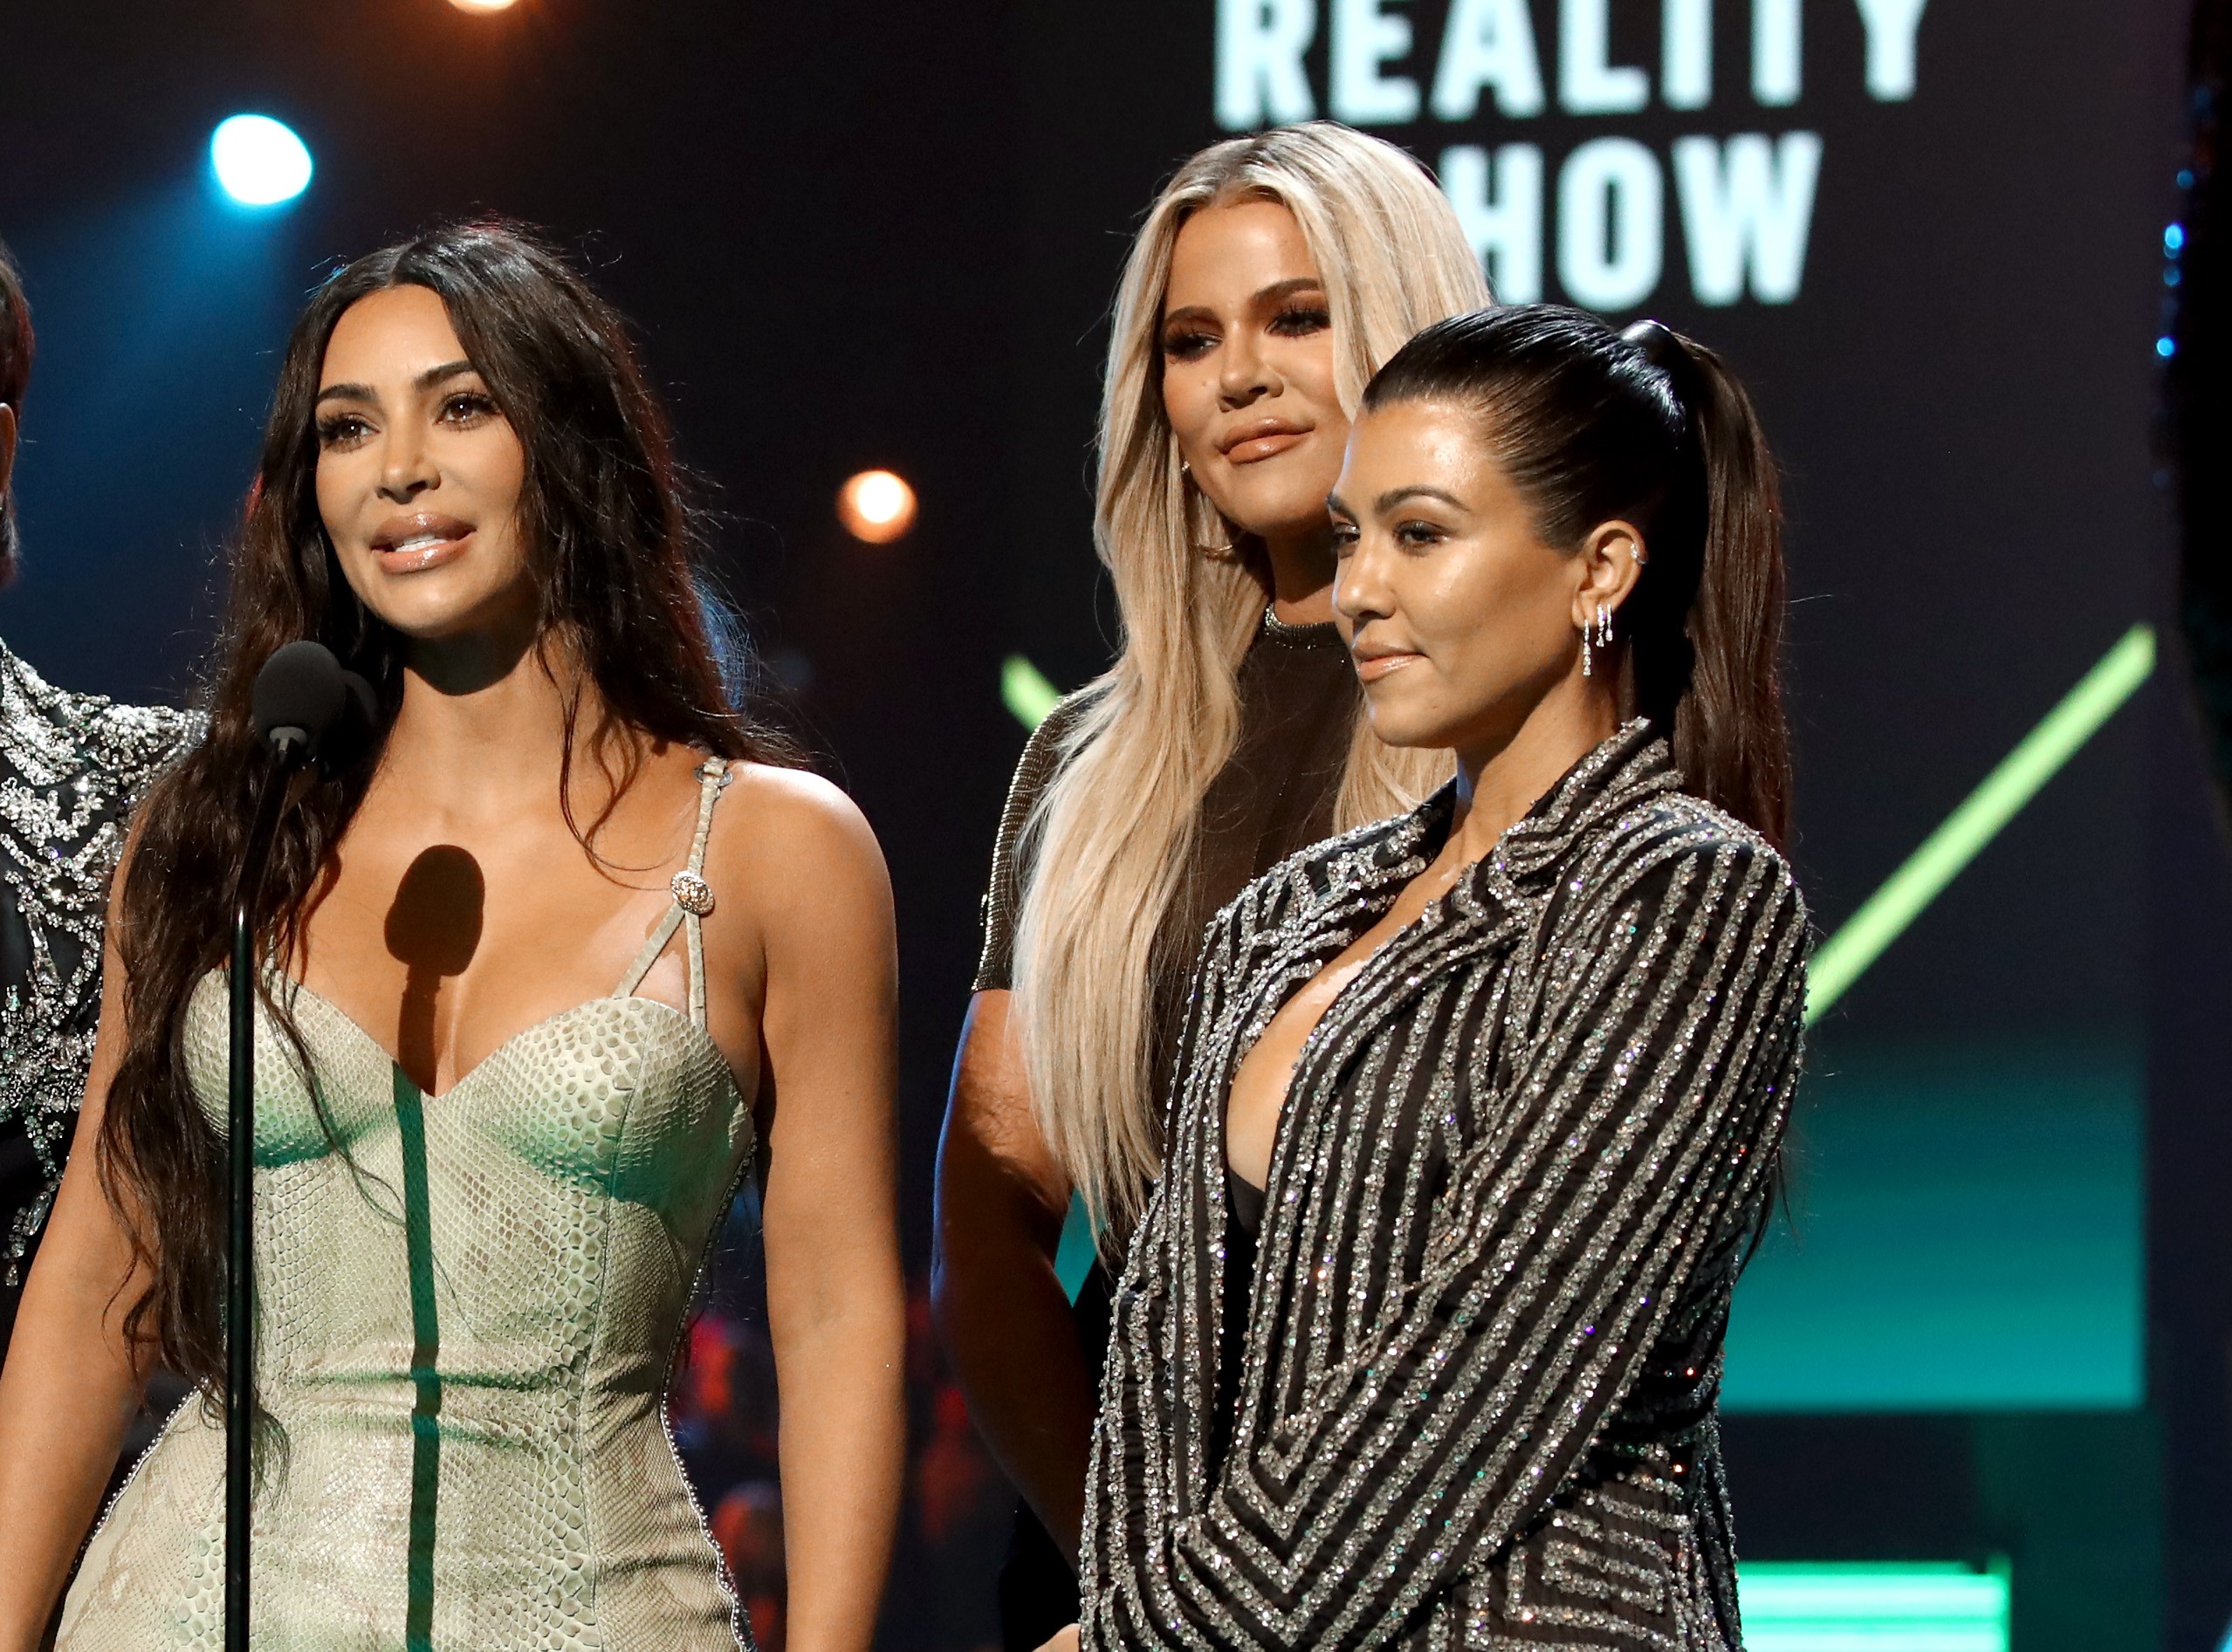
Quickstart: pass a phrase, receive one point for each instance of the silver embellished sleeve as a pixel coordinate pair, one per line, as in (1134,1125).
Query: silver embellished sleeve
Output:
(1640,1096)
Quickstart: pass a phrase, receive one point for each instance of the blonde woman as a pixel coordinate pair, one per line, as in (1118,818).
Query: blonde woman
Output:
(1272,277)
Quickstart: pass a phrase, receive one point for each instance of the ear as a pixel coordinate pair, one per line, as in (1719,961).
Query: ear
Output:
(1611,562)
(7,445)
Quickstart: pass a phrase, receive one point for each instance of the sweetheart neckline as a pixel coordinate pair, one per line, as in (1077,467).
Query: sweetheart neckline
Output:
(303,988)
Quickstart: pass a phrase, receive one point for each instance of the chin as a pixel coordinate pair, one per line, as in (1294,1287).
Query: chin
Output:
(1404,728)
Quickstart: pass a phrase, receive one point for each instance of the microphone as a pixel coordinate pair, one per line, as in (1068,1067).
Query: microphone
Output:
(306,709)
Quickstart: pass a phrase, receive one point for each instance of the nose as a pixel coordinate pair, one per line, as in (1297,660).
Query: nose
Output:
(406,469)
(1243,374)
(1361,592)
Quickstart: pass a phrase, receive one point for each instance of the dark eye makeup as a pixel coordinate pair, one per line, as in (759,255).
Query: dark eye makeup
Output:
(339,429)
(468,406)
(1187,344)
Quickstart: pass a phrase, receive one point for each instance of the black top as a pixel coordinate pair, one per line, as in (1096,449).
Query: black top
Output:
(1275,795)
(1511,1186)
(71,765)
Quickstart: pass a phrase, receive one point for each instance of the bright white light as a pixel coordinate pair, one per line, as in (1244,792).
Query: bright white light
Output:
(876,506)
(260,162)
(482,5)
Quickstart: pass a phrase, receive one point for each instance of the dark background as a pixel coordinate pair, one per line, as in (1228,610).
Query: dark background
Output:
(864,234)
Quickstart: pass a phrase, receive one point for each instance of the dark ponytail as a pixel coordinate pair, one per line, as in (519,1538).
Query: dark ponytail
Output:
(1647,427)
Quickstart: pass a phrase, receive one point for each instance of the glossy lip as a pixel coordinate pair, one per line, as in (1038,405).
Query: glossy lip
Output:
(1372,664)
(416,543)
(1259,439)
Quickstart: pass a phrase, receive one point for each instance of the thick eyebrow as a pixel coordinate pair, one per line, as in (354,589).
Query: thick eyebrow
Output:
(1270,294)
(1394,497)
(1287,288)
(425,380)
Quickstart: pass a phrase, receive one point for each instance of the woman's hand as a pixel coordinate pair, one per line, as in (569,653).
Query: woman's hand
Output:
(1064,1640)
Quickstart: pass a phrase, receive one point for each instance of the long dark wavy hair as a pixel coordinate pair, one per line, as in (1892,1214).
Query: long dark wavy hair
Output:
(1647,427)
(610,544)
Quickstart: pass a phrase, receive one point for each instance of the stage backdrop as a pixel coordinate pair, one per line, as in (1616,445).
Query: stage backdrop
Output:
(1930,234)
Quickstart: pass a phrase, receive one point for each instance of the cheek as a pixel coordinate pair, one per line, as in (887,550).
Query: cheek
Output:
(1310,375)
(489,471)
(1486,615)
(1189,402)
(337,491)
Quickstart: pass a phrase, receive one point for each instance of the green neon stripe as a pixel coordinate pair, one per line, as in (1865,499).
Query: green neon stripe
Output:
(1859,1607)
(1029,697)
(426,1350)
(1884,917)
(1846,955)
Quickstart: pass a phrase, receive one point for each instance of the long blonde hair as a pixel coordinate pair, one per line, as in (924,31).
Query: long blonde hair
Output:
(1111,837)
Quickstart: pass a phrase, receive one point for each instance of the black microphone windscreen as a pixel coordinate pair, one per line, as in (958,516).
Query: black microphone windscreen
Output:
(300,687)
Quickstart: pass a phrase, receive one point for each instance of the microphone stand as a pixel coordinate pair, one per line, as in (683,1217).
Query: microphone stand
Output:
(288,746)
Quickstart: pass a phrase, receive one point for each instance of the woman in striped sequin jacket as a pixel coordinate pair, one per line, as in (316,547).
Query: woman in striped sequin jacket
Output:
(1418,1343)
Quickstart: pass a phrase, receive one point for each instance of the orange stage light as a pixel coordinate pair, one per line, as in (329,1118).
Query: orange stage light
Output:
(876,506)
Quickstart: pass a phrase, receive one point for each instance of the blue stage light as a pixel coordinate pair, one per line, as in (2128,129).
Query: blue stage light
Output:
(259,161)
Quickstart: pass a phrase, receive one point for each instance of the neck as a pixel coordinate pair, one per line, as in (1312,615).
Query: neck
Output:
(482,728)
(1499,780)
(1301,566)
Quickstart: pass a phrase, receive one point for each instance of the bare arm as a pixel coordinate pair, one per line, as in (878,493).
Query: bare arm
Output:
(836,1303)
(1006,1322)
(71,1383)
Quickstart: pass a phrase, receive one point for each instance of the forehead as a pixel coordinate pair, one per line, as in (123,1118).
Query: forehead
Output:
(1236,251)
(388,338)
(1416,443)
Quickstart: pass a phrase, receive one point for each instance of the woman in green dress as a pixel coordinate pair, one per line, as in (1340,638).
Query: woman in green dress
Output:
(567,951)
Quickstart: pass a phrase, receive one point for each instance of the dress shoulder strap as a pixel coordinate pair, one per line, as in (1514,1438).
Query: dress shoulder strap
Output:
(693,900)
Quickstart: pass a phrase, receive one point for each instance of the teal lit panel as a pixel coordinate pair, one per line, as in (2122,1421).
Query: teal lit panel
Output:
(1072,1258)
(1793,1605)
(1968,1235)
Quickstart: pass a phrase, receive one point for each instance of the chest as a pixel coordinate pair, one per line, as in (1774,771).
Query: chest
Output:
(1276,793)
(444,952)
(621,1098)
(1365,1066)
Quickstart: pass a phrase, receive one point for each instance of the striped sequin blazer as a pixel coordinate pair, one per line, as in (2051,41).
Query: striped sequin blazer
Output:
(1519,1166)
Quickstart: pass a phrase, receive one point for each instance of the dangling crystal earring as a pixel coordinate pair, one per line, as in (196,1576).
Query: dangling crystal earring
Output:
(1604,628)
(1587,670)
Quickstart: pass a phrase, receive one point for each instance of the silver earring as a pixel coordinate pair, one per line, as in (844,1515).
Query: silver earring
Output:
(1604,628)
(1587,670)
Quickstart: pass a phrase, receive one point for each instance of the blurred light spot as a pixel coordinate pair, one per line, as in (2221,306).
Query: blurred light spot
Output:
(258,162)
(876,506)
(2173,237)
(2165,347)
(1029,697)
(482,5)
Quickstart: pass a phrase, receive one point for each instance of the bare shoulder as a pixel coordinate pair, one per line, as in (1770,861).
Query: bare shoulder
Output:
(790,843)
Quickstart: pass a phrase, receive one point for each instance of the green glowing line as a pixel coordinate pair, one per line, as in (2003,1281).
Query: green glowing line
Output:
(1792,1606)
(1028,695)
(1846,955)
